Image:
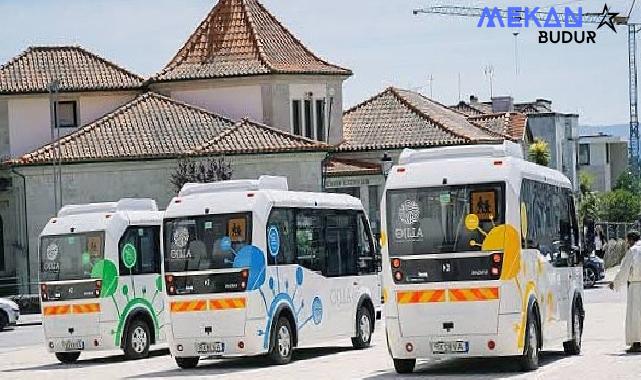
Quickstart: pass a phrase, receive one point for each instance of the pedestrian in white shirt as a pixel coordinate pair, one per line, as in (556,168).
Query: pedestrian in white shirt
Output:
(630,275)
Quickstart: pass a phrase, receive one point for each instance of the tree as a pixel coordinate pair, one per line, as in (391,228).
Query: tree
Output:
(539,152)
(629,182)
(206,170)
(620,205)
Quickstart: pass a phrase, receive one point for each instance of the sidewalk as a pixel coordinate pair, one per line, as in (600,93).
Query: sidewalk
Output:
(30,320)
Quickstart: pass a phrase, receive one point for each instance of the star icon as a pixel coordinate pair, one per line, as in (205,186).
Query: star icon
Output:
(608,18)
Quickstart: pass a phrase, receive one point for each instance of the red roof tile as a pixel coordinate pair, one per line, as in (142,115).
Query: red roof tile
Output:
(251,137)
(76,68)
(337,167)
(398,118)
(510,124)
(154,126)
(241,38)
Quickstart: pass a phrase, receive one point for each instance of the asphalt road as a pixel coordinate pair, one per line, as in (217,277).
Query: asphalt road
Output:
(22,355)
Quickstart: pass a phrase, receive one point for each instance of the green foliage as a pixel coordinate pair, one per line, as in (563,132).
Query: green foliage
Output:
(585,182)
(620,205)
(539,152)
(629,182)
(589,206)
(206,170)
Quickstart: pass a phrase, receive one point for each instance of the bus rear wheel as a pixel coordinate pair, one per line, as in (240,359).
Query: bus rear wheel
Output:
(404,365)
(188,362)
(67,357)
(363,329)
(573,347)
(530,358)
(283,342)
(137,340)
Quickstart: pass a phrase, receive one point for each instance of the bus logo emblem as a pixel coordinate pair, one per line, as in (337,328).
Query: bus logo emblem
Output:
(181,237)
(447,267)
(52,252)
(409,212)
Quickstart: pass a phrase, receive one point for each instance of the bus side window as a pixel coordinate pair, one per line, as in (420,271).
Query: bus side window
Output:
(283,220)
(310,242)
(366,247)
(145,240)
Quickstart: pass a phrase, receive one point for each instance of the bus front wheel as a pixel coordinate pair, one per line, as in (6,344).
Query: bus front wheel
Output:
(137,340)
(188,362)
(530,358)
(283,342)
(363,329)
(67,357)
(573,347)
(404,365)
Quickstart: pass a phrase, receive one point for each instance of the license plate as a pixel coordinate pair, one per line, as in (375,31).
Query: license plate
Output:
(456,347)
(210,348)
(73,345)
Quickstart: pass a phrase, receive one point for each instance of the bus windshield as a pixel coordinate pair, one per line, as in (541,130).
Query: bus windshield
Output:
(432,220)
(194,243)
(70,257)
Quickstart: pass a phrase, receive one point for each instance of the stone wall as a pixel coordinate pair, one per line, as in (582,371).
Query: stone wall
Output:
(110,181)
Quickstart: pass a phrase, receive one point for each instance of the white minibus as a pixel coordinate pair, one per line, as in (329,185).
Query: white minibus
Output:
(100,279)
(252,268)
(480,257)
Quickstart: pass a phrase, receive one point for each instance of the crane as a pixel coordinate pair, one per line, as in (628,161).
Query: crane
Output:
(589,18)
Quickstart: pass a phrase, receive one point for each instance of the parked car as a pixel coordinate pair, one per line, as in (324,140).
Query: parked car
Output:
(593,270)
(9,313)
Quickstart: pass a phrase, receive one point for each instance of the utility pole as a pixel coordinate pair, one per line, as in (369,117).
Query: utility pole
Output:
(430,80)
(54,87)
(489,74)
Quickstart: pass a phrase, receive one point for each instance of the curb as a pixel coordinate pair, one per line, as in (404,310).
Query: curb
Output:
(36,323)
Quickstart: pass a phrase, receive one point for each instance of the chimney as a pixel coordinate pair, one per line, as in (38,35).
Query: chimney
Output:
(544,104)
(473,99)
(502,104)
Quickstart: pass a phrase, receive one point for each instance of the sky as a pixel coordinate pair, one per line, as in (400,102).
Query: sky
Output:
(380,40)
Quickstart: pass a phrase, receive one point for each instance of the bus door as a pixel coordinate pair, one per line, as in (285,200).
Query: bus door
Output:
(139,268)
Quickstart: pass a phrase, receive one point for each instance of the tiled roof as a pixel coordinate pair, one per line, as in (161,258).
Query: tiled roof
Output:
(154,126)
(241,38)
(398,118)
(337,167)
(76,69)
(511,124)
(469,110)
(250,137)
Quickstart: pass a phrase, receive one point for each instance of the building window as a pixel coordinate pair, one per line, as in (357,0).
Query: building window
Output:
(584,154)
(320,119)
(309,127)
(66,114)
(296,117)
(607,153)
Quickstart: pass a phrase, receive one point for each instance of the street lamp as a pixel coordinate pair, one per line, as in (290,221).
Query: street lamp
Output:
(53,88)
(386,164)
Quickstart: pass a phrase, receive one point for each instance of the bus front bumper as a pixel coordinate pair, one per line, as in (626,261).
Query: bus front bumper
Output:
(249,345)
(482,345)
(79,343)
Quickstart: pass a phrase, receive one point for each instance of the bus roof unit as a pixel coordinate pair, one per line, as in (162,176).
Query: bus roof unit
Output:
(506,149)
(125,204)
(264,182)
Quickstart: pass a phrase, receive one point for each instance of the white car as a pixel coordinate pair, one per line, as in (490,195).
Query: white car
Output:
(9,313)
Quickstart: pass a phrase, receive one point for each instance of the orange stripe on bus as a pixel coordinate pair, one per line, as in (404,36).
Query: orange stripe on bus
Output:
(85,308)
(187,306)
(420,296)
(227,303)
(473,294)
(56,310)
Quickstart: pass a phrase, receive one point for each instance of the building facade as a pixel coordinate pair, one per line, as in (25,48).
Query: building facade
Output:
(604,158)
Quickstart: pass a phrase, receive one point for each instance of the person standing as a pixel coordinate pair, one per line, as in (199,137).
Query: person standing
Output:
(630,275)
(599,242)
